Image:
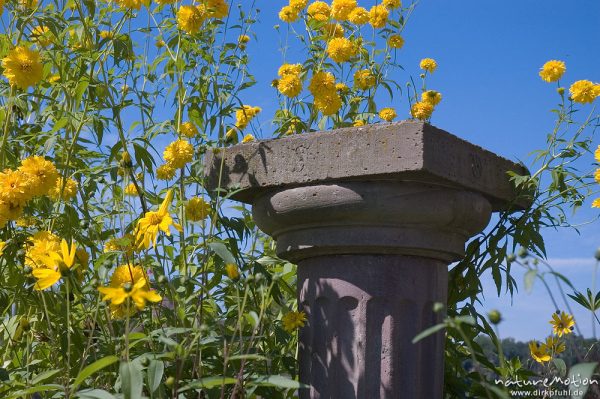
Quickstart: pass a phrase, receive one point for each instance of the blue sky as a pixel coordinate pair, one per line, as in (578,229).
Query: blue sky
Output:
(489,55)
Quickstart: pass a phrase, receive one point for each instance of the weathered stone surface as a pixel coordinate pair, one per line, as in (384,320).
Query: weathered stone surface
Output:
(373,217)
(404,151)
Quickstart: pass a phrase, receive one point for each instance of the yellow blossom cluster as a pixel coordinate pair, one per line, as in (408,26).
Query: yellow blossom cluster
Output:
(341,49)
(22,67)
(323,88)
(178,154)
(293,320)
(340,10)
(581,91)
(364,79)
(290,83)
(562,324)
(423,108)
(197,209)
(188,129)
(388,114)
(36,176)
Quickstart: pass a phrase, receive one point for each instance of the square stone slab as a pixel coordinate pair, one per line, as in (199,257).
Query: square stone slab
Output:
(403,151)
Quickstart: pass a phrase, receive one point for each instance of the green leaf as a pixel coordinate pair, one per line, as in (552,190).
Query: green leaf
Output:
(92,368)
(277,381)
(580,373)
(209,382)
(222,251)
(44,376)
(39,388)
(427,332)
(156,369)
(560,366)
(94,394)
(131,380)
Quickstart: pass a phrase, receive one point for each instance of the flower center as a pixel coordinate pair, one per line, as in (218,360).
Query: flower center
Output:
(155,219)
(26,66)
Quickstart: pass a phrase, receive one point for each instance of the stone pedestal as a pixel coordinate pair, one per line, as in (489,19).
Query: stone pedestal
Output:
(372,216)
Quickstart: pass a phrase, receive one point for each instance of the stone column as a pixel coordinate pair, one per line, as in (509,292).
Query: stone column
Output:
(372,216)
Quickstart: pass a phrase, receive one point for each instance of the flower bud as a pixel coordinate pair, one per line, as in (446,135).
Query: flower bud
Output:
(495,317)
(597,254)
(127,287)
(170,382)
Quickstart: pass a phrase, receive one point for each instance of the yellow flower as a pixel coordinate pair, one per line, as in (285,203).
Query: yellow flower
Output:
(15,187)
(39,246)
(421,110)
(130,4)
(387,114)
(128,283)
(358,123)
(131,190)
(322,83)
(597,154)
(53,78)
(392,4)
(66,193)
(298,5)
(2,246)
(359,16)
(26,221)
(289,69)
(232,271)
(178,153)
(56,265)
(217,8)
(244,115)
(364,79)
(123,244)
(562,323)
(105,34)
(328,103)
(165,172)
(538,352)
(293,320)
(288,14)
(319,11)
(197,209)
(395,41)
(555,345)
(584,91)
(340,49)
(190,18)
(163,2)
(332,30)
(9,211)
(243,40)
(596,203)
(188,130)
(22,67)
(597,176)
(248,138)
(153,221)
(341,8)
(378,16)
(231,135)
(1,6)
(428,64)
(552,70)
(432,97)
(42,35)
(341,88)
(290,85)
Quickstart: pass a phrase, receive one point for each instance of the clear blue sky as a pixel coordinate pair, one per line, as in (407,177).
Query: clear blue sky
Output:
(488,54)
